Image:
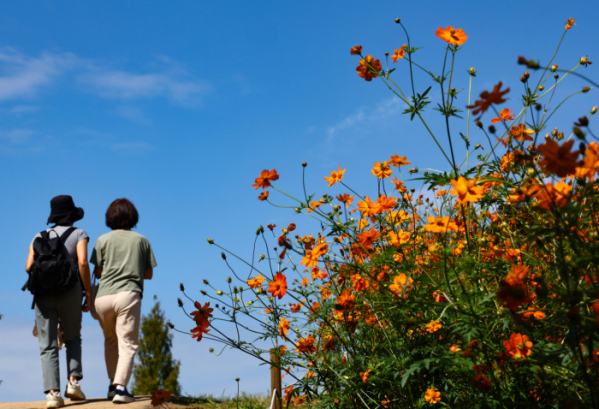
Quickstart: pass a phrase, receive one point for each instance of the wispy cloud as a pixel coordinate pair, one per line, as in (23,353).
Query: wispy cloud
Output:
(17,136)
(366,117)
(23,76)
(132,113)
(19,110)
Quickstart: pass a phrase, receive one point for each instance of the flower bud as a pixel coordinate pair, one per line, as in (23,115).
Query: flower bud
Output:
(237,379)
(578,132)
(203,292)
(297,210)
(538,106)
(181,287)
(179,302)
(304,164)
(397,20)
(229,280)
(547,136)
(206,282)
(478,145)
(412,190)
(386,53)
(594,110)
(554,68)
(556,76)
(522,60)
(560,136)
(583,60)
(170,325)
(492,129)
(586,89)
(219,293)
(541,88)
(554,132)
(210,241)
(472,71)
(211,350)
(479,124)
(413,170)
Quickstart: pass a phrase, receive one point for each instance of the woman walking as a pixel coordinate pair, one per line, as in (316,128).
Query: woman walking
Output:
(123,259)
(64,306)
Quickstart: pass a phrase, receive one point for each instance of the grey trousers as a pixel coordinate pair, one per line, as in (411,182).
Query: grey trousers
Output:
(49,310)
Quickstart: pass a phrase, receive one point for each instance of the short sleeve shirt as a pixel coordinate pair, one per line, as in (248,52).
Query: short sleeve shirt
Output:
(124,256)
(71,244)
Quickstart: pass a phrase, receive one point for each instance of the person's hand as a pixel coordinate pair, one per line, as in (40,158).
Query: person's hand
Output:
(87,302)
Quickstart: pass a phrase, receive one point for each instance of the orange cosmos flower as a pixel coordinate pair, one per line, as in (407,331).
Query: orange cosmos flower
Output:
(521,133)
(432,396)
(399,53)
(203,313)
(364,375)
(517,274)
(539,315)
(264,195)
(368,238)
(504,115)
(482,382)
(345,300)
(439,297)
(451,35)
(512,296)
(278,286)
(585,61)
(518,346)
(200,330)
(488,98)
(306,344)
(381,170)
(466,190)
(399,238)
(558,160)
(312,256)
(357,49)
(590,164)
(345,198)
(368,208)
(385,204)
(265,178)
(440,225)
(369,68)
(569,23)
(400,284)
(335,176)
(524,193)
(159,397)
(433,326)
(305,282)
(359,283)
(283,327)
(557,195)
(398,161)
(256,282)
(455,348)
(401,188)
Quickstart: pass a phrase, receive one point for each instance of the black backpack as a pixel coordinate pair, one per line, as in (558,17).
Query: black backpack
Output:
(53,271)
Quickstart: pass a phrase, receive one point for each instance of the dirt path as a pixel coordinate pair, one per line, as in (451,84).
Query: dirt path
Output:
(140,402)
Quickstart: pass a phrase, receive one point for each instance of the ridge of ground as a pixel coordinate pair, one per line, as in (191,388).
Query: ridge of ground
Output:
(100,403)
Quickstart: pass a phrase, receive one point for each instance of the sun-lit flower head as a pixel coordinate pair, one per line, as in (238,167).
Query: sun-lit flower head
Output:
(432,396)
(381,170)
(521,133)
(345,198)
(283,327)
(569,23)
(335,177)
(255,282)
(398,161)
(278,286)
(466,190)
(518,347)
(440,225)
(369,68)
(265,178)
(452,35)
(504,115)
(399,53)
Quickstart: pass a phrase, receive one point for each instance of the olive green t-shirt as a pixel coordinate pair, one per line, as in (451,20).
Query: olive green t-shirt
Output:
(124,255)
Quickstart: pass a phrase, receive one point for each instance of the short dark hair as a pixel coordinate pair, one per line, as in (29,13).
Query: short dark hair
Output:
(121,214)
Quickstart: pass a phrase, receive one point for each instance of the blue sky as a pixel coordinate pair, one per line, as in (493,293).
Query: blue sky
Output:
(178,106)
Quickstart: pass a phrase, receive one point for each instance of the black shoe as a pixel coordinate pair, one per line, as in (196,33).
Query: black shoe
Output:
(111,390)
(123,397)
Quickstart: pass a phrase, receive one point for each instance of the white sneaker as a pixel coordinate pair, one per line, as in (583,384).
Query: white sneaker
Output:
(54,400)
(74,391)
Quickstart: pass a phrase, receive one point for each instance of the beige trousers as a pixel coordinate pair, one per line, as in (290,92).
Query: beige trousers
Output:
(119,317)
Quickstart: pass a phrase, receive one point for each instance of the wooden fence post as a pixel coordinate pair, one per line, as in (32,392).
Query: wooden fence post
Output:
(275,377)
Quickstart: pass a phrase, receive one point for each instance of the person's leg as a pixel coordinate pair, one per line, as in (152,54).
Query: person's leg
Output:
(105,309)
(46,319)
(70,315)
(128,307)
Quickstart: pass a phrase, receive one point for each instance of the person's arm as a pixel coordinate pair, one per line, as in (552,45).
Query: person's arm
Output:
(29,259)
(84,273)
(98,272)
(149,273)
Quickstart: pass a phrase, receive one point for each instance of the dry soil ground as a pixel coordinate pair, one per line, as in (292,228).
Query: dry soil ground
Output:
(140,402)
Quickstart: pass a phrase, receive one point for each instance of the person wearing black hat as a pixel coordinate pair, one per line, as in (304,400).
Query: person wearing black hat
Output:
(66,307)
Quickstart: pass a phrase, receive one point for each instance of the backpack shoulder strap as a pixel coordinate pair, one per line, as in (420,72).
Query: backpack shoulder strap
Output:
(67,233)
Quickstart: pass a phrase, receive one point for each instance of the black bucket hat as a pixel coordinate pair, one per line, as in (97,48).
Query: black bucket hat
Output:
(63,210)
